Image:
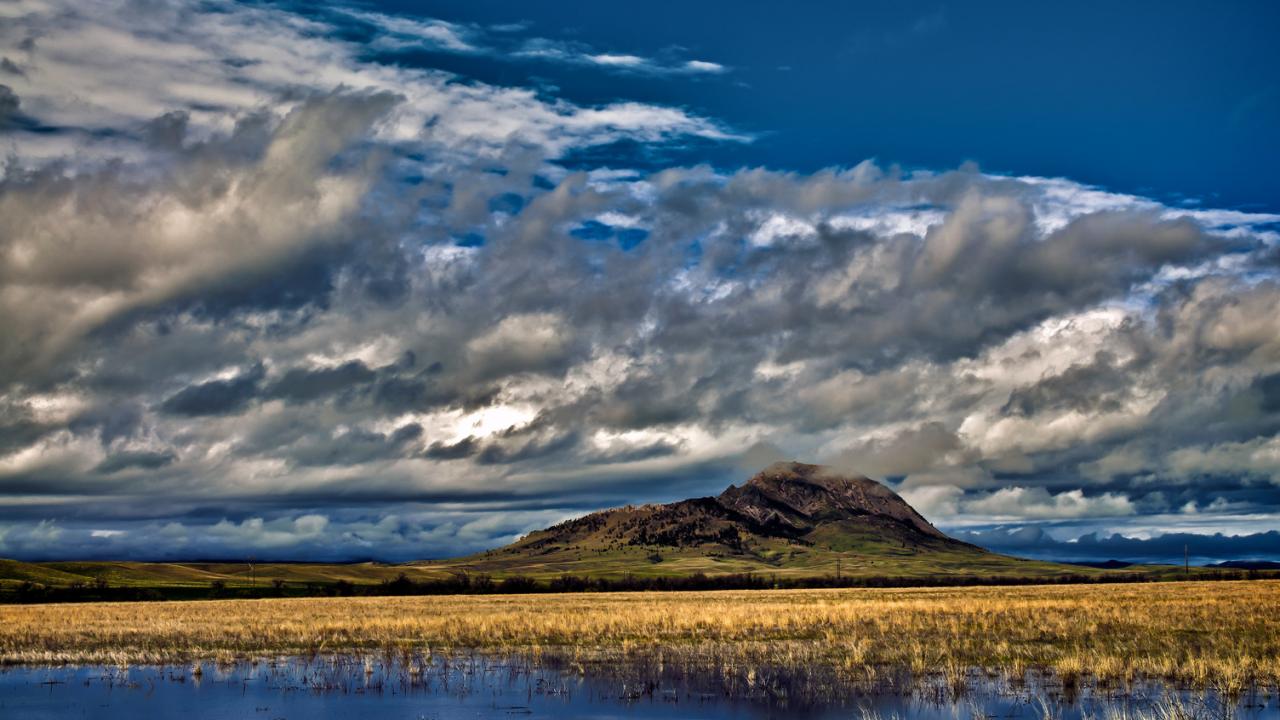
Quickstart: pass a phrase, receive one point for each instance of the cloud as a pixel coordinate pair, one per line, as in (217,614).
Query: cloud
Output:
(906,452)
(1260,457)
(520,343)
(1166,548)
(402,32)
(215,397)
(83,251)
(610,60)
(465,447)
(1021,502)
(101,70)
(579,54)
(406,536)
(393,33)
(9,103)
(304,384)
(280,279)
(140,459)
(705,66)
(935,501)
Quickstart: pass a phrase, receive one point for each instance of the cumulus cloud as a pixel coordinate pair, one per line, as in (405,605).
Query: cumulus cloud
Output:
(537,342)
(291,283)
(1038,503)
(82,251)
(1259,457)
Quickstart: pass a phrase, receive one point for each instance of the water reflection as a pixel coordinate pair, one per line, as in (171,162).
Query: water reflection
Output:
(476,687)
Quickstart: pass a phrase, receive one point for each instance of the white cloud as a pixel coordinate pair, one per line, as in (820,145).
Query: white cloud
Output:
(1024,503)
(400,32)
(938,503)
(704,66)
(1258,457)
(102,65)
(776,228)
(617,60)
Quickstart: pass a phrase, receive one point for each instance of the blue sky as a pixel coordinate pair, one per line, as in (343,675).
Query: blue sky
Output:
(402,281)
(1178,101)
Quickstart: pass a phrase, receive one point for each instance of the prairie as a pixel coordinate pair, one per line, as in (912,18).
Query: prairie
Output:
(1223,635)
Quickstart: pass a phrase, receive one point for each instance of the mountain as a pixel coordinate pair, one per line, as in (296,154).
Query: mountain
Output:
(790,519)
(789,503)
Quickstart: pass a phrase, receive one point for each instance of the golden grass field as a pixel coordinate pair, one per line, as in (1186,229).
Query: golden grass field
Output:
(1202,634)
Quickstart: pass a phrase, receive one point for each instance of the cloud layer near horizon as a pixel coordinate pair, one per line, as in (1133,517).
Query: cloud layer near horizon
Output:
(263,295)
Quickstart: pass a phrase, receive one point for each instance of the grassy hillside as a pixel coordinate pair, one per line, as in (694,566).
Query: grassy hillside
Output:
(844,550)
(616,564)
(203,575)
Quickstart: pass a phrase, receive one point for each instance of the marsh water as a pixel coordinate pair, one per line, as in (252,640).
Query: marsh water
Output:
(481,688)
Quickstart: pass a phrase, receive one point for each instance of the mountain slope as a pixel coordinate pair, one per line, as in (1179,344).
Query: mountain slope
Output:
(790,519)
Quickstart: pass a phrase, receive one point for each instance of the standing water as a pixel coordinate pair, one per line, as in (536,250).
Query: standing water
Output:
(291,688)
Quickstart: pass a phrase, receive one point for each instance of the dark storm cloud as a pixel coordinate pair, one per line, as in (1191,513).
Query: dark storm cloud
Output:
(464,448)
(506,453)
(394,387)
(9,103)
(17,432)
(216,397)
(140,460)
(1096,386)
(354,447)
(1266,391)
(301,385)
(112,421)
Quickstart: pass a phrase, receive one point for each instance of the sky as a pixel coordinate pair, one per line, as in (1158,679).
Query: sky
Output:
(402,280)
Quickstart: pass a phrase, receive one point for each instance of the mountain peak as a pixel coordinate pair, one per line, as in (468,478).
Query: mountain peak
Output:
(799,495)
(790,513)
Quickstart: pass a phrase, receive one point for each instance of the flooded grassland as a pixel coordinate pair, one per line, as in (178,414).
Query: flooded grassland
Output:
(1213,647)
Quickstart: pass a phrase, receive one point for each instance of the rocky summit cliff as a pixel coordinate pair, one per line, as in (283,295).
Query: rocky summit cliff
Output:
(789,517)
